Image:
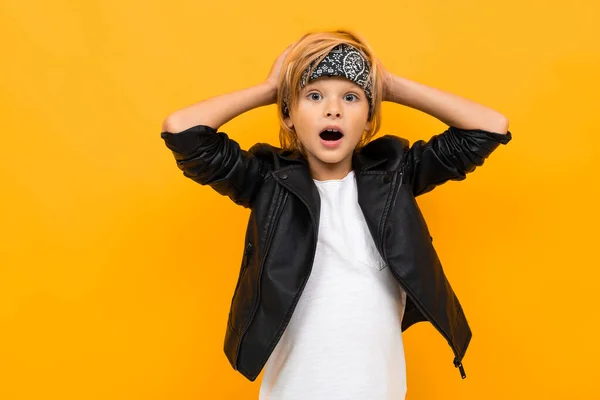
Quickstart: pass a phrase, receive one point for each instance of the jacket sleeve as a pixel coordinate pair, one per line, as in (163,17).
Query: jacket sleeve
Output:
(211,158)
(449,156)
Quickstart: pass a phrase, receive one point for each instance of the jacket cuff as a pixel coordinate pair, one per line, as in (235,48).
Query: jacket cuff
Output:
(496,137)
(188,141)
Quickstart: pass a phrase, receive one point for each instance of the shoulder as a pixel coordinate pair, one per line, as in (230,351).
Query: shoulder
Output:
(387,141)
(274,158)
(390,147)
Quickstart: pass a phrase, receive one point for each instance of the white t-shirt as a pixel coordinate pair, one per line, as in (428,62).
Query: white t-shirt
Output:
(344,340)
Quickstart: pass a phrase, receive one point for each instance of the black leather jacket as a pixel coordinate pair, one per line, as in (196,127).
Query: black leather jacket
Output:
(281,236)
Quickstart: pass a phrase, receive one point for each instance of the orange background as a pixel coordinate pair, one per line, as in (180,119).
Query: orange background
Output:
(116,272)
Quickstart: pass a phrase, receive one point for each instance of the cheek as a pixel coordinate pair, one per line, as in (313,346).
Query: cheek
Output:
(304,116)
(305,107)
(362,116)
(304,134)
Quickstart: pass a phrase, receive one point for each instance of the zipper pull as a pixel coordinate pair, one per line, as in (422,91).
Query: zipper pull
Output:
(248,248)
(247,253)
(460,368)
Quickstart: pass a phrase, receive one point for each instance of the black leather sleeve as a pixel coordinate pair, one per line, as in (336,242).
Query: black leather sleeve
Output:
(212,158)
(449,156)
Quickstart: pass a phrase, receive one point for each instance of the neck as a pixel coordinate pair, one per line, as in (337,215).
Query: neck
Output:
(322,171)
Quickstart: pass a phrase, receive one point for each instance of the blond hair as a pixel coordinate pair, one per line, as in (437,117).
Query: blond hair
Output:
(315,46)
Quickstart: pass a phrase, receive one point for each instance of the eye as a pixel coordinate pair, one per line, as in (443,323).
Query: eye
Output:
(351,95)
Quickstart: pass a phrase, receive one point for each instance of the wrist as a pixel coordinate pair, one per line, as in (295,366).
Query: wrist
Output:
(270,90)
(395,89)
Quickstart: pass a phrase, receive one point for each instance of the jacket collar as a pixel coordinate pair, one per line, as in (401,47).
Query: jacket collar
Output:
(295,176)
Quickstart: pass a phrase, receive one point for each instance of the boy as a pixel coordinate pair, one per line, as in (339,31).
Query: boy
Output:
(335,207)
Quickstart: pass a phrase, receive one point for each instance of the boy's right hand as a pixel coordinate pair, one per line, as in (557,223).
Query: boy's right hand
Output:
(273,78)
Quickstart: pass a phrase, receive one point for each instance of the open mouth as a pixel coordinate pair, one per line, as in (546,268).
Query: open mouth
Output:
(331,135)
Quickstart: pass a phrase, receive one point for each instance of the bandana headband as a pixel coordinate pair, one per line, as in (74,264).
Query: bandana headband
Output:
(343,60)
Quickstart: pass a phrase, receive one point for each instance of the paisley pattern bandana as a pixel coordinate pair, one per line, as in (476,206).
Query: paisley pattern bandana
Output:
(343,60)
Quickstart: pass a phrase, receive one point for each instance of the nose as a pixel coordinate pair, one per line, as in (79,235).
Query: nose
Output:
(333,109)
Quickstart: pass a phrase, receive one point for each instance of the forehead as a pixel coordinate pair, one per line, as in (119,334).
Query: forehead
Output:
(337,81)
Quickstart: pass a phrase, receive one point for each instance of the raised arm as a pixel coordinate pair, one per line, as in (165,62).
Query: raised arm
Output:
(212,158)
(218,110)
(474,132)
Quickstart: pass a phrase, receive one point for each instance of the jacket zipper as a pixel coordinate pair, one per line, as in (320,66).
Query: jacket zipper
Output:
(257,297)
(456,362)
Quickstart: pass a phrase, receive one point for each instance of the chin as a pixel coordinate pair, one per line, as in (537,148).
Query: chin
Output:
(331,157)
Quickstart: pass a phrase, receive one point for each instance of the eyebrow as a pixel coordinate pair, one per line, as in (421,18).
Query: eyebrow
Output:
(348,86)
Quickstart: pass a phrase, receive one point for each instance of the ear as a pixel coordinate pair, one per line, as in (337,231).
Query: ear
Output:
(288,122)
(368,125)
